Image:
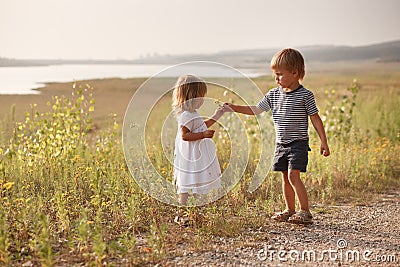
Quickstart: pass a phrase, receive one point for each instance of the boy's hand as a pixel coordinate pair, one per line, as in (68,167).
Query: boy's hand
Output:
(324,149)
(227,107)
(208,133)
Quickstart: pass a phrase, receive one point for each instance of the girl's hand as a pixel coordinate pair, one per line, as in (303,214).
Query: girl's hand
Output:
(219,111)
(217,114)
(208,133)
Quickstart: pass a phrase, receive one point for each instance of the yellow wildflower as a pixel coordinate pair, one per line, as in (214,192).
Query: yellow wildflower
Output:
(8,185)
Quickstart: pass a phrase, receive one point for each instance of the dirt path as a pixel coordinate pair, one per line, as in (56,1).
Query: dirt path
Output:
(344,235)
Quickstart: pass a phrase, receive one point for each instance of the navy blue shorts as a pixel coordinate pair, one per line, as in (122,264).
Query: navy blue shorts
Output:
(292,156)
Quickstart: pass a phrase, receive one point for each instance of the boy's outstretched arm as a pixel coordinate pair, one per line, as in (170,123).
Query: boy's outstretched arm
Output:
(319,127)
(248,110)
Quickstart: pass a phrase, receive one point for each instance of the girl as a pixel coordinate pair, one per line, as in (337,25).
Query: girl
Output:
(196,167)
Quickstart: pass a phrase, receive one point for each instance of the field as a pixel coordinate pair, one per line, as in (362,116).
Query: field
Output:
(68,198)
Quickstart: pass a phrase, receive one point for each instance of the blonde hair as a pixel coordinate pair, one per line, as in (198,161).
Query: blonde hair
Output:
(188,93)
(289,59)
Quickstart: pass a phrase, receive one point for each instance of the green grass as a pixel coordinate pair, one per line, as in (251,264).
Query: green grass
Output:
(67,196)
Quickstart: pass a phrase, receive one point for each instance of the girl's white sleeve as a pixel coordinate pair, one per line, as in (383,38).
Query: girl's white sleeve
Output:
(187,120)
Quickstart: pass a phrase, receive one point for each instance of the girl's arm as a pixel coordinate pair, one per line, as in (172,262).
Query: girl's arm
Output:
(248,110)
(319,127)
(215,117)
(187,135)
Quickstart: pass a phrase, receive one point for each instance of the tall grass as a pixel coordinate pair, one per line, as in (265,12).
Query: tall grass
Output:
(364,134)
(67,196)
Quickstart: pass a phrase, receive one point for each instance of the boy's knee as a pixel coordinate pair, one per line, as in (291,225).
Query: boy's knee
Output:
(293,173)
(294,176)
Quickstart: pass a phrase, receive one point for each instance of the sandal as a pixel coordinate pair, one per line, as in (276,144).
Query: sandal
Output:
(181,220)
(283,216)
(301,217)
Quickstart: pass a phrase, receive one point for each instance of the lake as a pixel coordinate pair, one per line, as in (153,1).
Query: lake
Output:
(21,80)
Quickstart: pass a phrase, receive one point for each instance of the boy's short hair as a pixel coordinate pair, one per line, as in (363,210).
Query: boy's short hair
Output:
(289,59)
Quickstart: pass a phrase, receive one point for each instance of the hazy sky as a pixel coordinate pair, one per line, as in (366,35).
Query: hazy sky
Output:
(111,29)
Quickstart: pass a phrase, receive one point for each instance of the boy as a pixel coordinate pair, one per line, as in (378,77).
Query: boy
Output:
(291,105)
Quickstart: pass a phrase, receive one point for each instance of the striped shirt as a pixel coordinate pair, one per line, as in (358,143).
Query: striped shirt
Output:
(290,111)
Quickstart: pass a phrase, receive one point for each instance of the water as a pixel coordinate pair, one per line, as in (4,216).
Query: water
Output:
(21,80)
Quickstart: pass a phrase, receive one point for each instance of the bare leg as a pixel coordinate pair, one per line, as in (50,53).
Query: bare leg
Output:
(183,198)
(288,192)
(299,188)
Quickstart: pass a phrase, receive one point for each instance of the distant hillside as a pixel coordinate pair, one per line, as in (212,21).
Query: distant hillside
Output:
(382,52)
(387,52)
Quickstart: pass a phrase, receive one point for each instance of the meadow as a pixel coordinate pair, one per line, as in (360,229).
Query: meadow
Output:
(68,198)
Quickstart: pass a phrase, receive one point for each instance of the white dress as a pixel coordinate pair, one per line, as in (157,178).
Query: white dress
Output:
(196,166)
